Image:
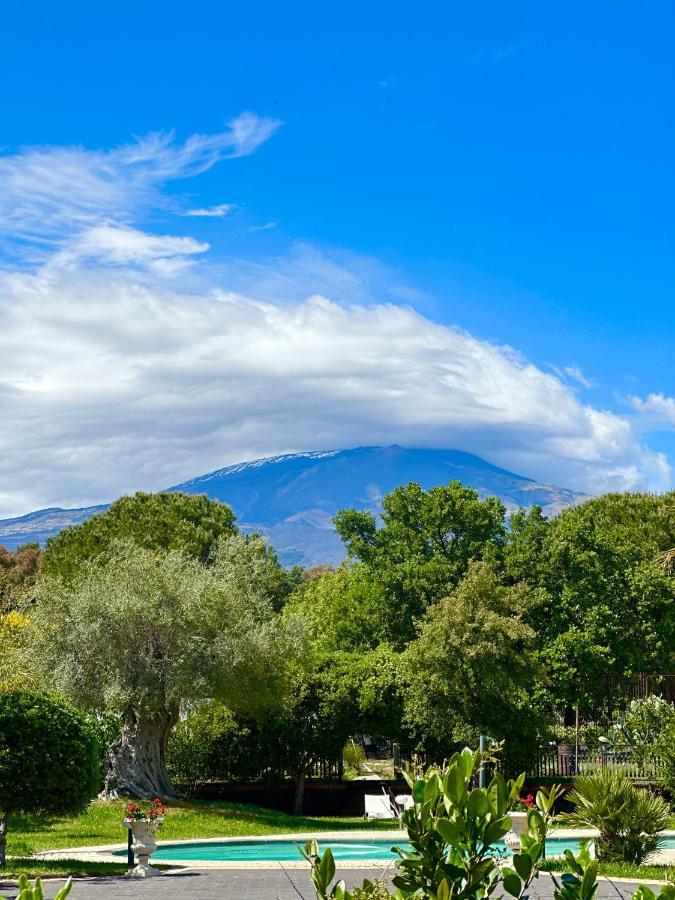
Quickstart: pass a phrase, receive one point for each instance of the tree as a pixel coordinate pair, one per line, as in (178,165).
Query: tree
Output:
(248,563)
(343,609)
(142,631)
(18,573)
(190,523)
(16,669)
(48,758)
(608,602)
(424,546)
(470,669)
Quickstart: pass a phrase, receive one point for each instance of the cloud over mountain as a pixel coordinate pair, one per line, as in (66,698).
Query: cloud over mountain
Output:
(127,360)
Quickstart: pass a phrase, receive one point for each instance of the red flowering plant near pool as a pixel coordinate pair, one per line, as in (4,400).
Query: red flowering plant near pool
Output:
(152,812)
(522,804)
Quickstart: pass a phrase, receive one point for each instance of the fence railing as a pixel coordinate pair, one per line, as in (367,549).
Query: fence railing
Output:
(565,763)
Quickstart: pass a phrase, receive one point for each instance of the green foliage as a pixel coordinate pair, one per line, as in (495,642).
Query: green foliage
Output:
(581,883)
(645,727)
(190,523)
(423,548)
(343,609)
(629,820)
(250,565)
(666,751)
(371,890)
(607,602)
(213,744)
(49,759)
(354,758)
(26,892)
(48,755)
(469,671)
(146,630)
(452,829)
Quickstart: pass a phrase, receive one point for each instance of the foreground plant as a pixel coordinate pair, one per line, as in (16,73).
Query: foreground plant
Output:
(26,892)
(629,819)
(581,882)
(454,831)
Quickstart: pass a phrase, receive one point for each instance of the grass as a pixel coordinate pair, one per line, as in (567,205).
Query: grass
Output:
(102,824)
(618,870)
(60,868)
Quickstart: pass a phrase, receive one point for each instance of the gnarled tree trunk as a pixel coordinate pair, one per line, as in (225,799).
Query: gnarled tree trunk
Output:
(137,759)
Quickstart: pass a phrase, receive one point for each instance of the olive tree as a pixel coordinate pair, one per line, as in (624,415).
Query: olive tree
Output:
(49,758)
(143,631)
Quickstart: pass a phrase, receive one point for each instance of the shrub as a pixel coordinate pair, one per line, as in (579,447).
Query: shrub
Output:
(49,758)
(629,819)
(212,744)
(643,726)
(354,757)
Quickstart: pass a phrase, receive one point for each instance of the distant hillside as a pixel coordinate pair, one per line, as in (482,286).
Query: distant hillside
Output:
(291,499)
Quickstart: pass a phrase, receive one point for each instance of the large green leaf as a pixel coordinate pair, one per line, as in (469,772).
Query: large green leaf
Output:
(449,832)
(477,804)
(455,785)
(522,864)
(512,884)
(496,830)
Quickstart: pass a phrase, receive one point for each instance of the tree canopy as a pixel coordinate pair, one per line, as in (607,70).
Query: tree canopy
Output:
(142,631)
(469,670)
(190,523)
(424,546)
(608,603)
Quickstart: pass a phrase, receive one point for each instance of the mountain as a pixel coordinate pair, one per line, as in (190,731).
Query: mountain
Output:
(291,499)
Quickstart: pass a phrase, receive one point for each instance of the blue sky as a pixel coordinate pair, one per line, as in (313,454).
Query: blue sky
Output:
(503,169)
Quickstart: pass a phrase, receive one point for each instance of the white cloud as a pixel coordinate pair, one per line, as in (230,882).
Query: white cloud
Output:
(658,408)
(576,374)
(117,245)
(115,379)
(47,194)
(217,212)
(128,363)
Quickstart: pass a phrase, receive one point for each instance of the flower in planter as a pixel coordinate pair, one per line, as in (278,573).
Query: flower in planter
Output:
(153,812)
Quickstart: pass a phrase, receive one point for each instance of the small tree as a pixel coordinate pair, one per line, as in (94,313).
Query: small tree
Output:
(49,758)
(471,668)
(140,632)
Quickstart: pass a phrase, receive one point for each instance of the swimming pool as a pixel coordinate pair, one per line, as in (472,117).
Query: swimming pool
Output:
(287,850)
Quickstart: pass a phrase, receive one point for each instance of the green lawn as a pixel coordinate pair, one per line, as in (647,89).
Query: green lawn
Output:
(58,868)
(618,870)
(102,824)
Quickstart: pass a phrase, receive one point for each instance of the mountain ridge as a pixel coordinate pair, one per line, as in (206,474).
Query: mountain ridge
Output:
(291,498)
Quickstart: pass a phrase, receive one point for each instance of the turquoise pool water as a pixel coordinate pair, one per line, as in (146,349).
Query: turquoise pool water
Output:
(287,851)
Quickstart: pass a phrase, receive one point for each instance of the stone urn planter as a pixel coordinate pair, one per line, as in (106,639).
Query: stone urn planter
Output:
(145,843)
(143,822)
(518,827)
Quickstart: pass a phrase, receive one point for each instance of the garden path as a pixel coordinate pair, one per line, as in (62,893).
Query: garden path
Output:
(241,884)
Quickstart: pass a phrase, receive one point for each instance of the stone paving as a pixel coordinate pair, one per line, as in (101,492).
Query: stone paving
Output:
(243,884)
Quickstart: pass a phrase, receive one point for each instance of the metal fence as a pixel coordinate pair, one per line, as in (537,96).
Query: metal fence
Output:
(564,762)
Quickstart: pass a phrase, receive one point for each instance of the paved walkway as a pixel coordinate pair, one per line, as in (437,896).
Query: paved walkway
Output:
(244,884)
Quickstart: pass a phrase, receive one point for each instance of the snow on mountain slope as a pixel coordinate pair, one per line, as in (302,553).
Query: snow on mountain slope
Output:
(291,499)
